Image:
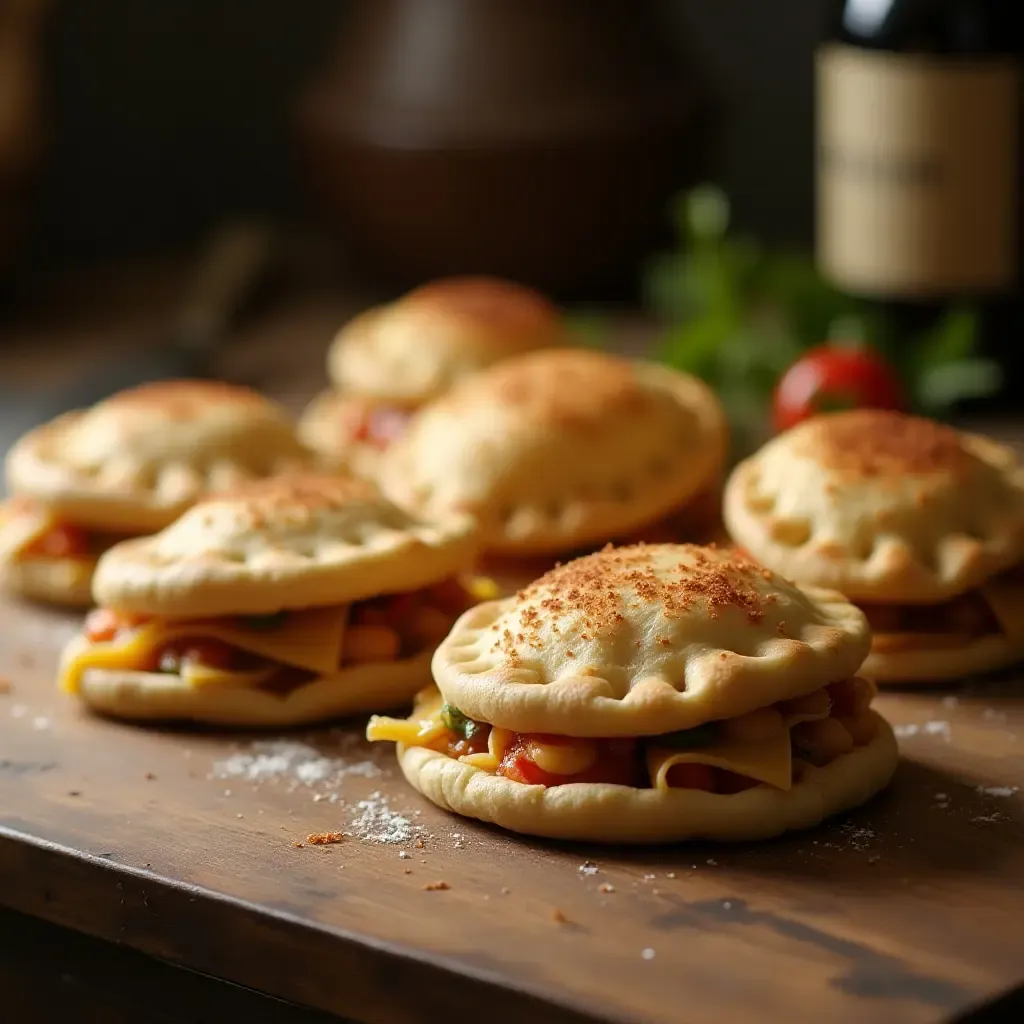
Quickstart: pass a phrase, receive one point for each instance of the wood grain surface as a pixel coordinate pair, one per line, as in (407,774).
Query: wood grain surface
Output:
(192,847)
(909,910)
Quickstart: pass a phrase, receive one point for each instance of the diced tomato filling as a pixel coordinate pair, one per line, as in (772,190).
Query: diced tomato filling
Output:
(459,746)
(616,762)
(417,619)
(61,541)
(104,624)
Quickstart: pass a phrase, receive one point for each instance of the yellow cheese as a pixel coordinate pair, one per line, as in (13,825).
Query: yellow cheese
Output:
(568,758)
(1005,597)
(765,758)
(485,762)
(195,673)
(498,742)
(309,639)
(420,729)
(129,651)
(20,525)
(483,588)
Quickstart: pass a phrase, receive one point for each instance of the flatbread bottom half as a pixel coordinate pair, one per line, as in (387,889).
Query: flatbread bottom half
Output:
(937,664)
(152,696)
(51,580)
(622,814)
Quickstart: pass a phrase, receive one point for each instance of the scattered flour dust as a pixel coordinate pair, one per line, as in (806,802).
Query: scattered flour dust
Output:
(297,764)
(934,728)
(322,769)
(376,822)
(1000,791)
(857,837)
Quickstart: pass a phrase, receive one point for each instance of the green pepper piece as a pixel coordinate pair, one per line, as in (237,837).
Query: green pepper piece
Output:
(688,739)
(459,724)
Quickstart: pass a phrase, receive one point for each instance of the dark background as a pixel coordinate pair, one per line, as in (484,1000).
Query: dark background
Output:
(163,114)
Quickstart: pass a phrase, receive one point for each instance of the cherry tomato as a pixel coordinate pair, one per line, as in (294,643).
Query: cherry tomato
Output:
(62,541)
(832,377)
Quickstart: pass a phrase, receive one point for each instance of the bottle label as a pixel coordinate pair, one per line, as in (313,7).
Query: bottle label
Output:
(917,172)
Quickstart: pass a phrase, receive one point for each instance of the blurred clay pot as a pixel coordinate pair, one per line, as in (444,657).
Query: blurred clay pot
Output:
(534,139)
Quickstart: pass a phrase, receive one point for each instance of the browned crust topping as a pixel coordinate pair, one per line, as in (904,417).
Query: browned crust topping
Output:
(569,387)
(489,301)
(183,399)
(273,499)
(601,587)
(873,443)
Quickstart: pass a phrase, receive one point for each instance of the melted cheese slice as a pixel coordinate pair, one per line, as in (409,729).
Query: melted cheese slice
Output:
(1006,599)
(763,754)
(420,729)
(310,639)
(195,673)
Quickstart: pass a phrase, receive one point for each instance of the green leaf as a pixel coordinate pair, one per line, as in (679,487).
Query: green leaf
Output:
(692,347)
(953,337)
(458,723)
(941,386)
(702,215)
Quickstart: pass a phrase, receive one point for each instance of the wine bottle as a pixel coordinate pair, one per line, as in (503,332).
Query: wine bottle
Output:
(918,171)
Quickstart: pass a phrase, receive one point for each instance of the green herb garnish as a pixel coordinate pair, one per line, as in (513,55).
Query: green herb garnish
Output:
(458,723)
(264,622)
(689,739)
(738,315)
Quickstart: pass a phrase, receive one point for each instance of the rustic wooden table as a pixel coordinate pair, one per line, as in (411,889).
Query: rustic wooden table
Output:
(180,850)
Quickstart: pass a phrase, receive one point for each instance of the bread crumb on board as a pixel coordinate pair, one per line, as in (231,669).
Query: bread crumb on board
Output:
(439,886)
(558,916)
(325,838)
(606,887)
(6,686)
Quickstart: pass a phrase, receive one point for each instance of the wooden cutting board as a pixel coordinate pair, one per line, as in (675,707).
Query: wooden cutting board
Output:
(183,845)
(193,847)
